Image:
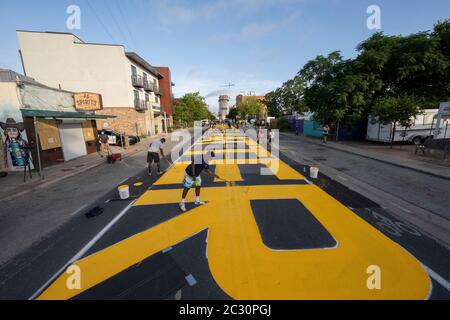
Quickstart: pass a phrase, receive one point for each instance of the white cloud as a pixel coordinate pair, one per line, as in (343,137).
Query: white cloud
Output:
(254,30)
(257,30)
(173,13)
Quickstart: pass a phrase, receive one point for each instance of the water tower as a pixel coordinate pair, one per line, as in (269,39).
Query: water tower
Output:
(223,106)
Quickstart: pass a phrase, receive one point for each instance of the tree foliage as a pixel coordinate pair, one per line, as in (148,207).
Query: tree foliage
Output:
(191,107)
(251,108)
(392,77)
(287,99)
(232,115)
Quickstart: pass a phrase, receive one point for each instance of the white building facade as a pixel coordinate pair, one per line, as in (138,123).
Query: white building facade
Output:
(128,84)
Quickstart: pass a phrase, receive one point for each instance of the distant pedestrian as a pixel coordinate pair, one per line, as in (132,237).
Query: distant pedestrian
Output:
(326,131)
(270,136)
(104,144)
(260,136)
(192,178)
(155,148)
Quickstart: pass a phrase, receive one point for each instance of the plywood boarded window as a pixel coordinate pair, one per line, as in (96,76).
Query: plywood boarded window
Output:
(88,131)
(48,134)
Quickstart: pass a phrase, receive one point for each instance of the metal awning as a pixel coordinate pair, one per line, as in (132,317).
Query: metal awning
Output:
(64,115)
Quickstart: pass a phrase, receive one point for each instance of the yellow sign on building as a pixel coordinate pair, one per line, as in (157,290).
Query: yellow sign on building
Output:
(86,101)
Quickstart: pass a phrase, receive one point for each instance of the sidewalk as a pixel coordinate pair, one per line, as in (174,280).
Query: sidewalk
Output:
(12,186)
(403,156)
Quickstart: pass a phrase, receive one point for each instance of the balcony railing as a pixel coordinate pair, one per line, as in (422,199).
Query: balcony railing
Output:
(140,105)
(148,86)
(157,109)
(137,81)
(157,90)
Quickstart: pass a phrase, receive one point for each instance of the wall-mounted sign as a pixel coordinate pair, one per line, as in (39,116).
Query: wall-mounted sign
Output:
(86,101)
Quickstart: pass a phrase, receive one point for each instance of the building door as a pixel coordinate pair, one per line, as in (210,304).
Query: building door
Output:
(72,140)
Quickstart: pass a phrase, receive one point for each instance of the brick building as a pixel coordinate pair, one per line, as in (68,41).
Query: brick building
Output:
(167,99)
(241,98)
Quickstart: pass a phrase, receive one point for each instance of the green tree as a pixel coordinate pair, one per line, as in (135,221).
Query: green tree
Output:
(273,104)
(288,98)
(233,114)
(251,108)
(191,107)
(387,72)
(400,110)
(334,92)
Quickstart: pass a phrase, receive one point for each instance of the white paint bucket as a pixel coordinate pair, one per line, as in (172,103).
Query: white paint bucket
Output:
(313,172)
(124,192)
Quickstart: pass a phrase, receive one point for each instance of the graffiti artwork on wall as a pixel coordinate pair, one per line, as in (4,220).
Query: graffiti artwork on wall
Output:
(16,148)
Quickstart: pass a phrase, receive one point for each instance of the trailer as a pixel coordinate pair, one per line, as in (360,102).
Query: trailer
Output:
(423,126)
(442,121)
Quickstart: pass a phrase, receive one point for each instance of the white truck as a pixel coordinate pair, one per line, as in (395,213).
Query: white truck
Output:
(424,125)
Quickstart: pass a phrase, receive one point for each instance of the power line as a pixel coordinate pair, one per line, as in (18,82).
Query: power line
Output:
(101,22)
(116,22)
(127,27)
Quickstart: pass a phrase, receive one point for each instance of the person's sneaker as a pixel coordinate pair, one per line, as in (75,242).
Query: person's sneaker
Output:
(199,203)
(160,173)
(149,173)
(182,207)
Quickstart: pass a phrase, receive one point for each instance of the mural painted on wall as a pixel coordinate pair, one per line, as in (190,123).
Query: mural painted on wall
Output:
(16,148)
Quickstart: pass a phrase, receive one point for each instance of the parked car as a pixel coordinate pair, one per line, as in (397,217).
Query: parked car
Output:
(115,138)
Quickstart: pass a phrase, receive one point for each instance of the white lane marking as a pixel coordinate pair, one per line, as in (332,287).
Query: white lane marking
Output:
(87,246)
(206,251)
(167,250)
(437,278)
(123,181)
(83,251)
(345,179)
(79,210)
(400,207)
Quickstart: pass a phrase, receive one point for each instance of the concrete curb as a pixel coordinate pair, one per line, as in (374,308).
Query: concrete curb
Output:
(44,183)
(93,164)
(378,159)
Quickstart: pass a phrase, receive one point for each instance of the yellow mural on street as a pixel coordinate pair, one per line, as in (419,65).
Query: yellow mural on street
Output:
(243,266)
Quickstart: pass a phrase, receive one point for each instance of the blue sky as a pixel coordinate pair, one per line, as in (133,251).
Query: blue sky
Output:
(255,44)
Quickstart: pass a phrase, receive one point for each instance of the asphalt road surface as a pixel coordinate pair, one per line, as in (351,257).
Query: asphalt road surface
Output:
(267,232)
(426,191)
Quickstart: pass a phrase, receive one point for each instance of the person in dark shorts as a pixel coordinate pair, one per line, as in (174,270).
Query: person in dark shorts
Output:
(192,179)
(326,131)
(104,144)
(155,148)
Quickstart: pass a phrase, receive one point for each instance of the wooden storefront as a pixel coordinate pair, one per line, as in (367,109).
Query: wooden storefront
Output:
(49,127)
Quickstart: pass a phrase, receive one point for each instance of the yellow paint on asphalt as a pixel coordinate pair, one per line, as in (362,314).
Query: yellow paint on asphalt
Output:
(175,175)
(229,172)
(240,262)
